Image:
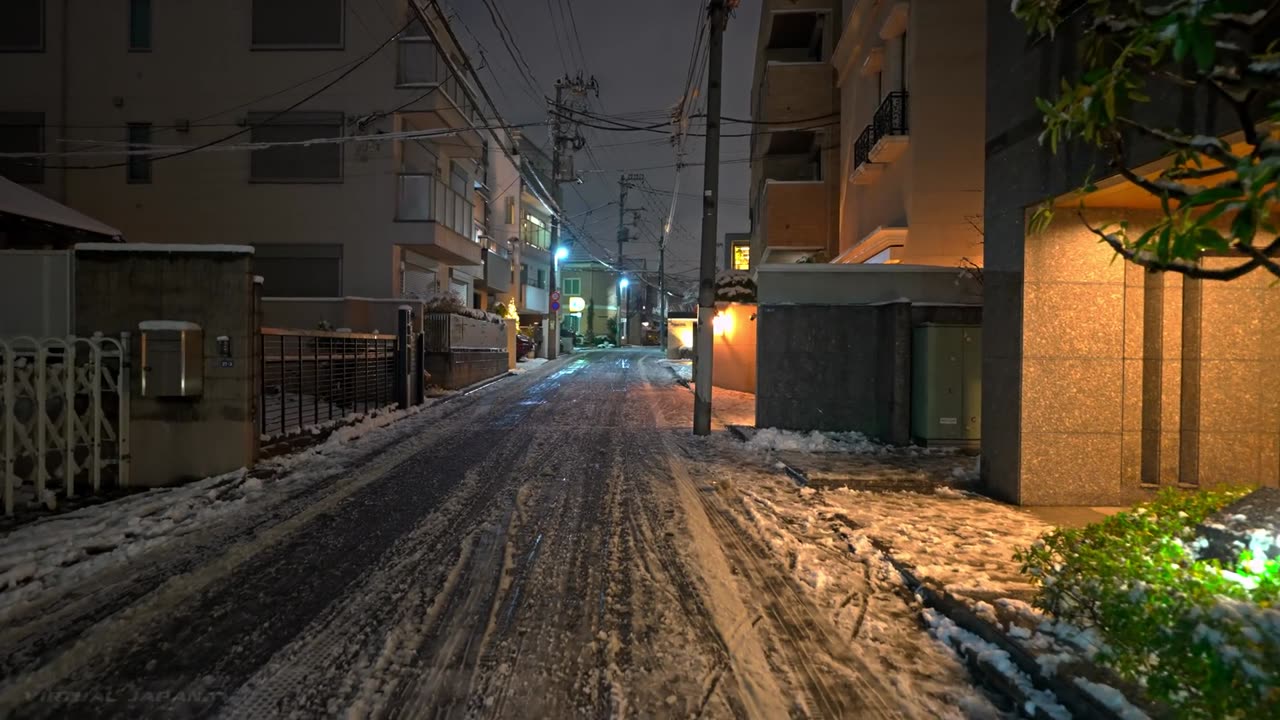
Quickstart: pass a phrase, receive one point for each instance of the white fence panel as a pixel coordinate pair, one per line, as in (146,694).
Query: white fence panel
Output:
(64,417)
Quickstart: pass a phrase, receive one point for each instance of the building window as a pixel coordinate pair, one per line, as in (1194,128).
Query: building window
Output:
(298,24)
(22,133)
(542,279)
(321,162)
(419,61)
(138,167)
(139,25)
(572,286)
(534,232)
(741,257)
(299,270)
(511,211)
(22,26)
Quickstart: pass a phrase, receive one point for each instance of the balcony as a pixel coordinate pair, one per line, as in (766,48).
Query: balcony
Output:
(497,271)
(883,141)
(447,214)
(535,301)
(794,220)
(794,93)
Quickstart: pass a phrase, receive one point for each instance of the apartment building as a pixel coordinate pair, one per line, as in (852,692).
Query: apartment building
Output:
(535,235)
(388,203)
(795,189)
(912,111)
(1111,382)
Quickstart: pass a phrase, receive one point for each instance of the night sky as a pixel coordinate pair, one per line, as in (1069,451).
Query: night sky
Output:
(639,52)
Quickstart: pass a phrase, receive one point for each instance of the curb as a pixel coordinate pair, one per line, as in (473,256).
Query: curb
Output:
(1078,702)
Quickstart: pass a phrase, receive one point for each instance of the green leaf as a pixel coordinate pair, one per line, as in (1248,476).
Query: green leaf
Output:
(1202,47)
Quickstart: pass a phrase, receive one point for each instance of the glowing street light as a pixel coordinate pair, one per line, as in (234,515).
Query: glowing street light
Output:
(624,283)
(562,253)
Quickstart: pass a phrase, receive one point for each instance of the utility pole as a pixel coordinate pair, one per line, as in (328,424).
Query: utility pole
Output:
(622,237)
(662,291)
(559,139)
(704,350)
(625,182)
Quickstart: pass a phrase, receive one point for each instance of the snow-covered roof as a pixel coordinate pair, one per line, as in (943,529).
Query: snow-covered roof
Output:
(18,200)
(164,248)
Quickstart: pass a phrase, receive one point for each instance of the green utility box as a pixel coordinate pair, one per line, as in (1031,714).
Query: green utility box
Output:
(946,385)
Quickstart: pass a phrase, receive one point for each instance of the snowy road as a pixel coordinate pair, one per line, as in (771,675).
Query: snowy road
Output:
(552,546)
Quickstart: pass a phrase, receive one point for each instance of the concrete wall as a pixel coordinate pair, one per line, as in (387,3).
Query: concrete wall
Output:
(825,284)
(176,439)
(734,366)
(454,370)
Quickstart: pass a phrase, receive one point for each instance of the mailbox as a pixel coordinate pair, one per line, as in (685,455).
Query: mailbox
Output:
(172,358)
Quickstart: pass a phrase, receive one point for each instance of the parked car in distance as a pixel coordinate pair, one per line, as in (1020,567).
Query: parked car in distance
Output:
(524,346)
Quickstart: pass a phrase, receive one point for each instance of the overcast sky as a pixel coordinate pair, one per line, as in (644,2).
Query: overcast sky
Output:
(639,53)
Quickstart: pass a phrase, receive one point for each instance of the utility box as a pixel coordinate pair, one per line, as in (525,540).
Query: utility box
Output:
(946,385)
(172,359)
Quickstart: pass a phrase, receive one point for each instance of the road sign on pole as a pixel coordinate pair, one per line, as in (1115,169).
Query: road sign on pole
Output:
(555,296)
(555,306)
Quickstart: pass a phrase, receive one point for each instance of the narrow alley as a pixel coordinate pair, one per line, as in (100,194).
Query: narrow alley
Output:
(551,546)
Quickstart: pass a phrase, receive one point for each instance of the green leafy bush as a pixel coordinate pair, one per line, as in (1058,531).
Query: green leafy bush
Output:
(1203,638)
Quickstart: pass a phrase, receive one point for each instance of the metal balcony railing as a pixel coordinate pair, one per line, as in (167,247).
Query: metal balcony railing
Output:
(891,116)
(862,146)
(890,119)
(423,197)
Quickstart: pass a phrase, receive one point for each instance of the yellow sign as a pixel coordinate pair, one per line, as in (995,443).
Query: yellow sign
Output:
(577,304)
(741,257)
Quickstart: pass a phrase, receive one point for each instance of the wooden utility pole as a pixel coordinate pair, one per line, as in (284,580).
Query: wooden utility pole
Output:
(704,346)
(622,237)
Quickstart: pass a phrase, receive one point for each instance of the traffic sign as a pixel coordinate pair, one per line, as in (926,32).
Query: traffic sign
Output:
(555,295)
(555,306)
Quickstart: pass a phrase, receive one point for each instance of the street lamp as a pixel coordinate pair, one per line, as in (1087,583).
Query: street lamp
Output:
(562,253)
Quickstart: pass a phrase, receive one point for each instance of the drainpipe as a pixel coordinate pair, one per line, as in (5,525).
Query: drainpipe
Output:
(64,72)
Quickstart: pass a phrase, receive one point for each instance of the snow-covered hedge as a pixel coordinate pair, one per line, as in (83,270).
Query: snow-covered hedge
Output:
(449,302)
(1201,637)
(735,286)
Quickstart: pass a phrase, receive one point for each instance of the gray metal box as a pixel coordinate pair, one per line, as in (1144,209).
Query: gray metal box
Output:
(172,358)
(946,387)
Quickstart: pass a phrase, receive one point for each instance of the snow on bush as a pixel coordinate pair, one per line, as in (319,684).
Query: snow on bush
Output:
(1199,636)
(450,302)
(735,286)
(814,442)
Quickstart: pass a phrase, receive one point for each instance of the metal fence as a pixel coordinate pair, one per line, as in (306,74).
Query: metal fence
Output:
(312,377)
(64,417)
(890,119)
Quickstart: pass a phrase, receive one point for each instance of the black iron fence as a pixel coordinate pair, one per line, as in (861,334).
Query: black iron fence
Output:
(890,119)
(312,377)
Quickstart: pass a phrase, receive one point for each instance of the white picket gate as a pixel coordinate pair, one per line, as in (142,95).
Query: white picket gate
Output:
(64,417)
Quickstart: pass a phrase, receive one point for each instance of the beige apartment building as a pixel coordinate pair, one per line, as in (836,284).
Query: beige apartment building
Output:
(912,122)
(366,212)
(795,189)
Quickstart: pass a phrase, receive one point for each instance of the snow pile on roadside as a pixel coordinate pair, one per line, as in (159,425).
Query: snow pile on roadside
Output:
(814,442)
(527,365)
(70,548)
(967,644)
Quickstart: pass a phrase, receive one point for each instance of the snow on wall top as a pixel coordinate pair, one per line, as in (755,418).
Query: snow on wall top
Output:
(167,325)
(164,248)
